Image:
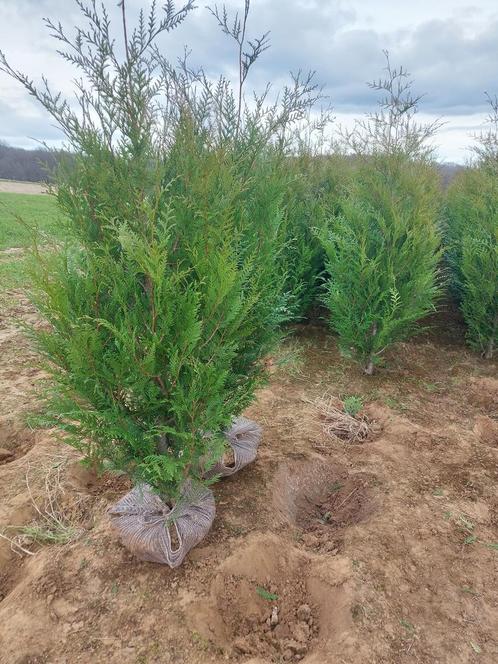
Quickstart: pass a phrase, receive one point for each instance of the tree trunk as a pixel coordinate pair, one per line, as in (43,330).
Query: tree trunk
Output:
(488,355)
(163,444)
(369,369)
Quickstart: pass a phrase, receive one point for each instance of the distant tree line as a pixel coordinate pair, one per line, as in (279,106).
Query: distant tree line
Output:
(37,165)
(27,165)
(448,171)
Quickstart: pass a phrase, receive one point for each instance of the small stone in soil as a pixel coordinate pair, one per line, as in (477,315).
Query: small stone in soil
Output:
(301,632)
(303,613)
(282,631)
(242,646)
(295,647)
(274,617)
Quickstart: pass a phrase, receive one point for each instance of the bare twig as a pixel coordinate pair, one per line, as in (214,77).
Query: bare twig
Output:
(346,499)
(14,543)
(339,424)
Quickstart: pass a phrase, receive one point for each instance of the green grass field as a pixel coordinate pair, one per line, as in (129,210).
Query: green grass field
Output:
(36,210)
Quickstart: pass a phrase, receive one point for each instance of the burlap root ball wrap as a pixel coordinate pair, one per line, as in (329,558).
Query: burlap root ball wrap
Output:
(243,437)
(143,521)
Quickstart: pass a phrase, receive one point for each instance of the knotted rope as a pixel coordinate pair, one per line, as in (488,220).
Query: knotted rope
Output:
(143,521)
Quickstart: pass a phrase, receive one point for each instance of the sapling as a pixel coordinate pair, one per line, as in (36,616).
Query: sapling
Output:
(353,404)
(318,183)
(165,295)
(383,247)
(471,239)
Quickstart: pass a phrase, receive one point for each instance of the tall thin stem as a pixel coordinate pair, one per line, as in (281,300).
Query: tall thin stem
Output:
(125,32)
(241,66)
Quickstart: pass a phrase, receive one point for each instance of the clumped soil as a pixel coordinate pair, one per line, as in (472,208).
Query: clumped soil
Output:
(260,603)
(321,551)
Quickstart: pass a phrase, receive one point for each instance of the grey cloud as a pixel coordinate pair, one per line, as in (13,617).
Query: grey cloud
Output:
(454,69)
(452,64)
(25,128)
(450,67)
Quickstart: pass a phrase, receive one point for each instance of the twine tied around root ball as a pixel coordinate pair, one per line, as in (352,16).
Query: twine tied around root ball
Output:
(243,437)
(145,522)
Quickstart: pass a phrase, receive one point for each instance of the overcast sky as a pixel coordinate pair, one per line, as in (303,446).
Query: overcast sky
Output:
(449,46)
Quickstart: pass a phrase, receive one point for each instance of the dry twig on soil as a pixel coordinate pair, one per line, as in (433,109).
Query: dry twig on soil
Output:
(337,423)
(54,523)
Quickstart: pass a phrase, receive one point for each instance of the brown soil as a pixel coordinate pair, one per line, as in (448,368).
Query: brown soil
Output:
(260,603)
(17,187)
(321,552)
(320,500)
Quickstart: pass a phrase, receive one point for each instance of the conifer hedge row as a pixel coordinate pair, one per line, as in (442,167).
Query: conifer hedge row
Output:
(197,226)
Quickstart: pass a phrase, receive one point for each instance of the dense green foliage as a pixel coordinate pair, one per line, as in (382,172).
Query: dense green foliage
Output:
(191,226)
(382,254)
(168,289)
(472,253)
(383,247)
(313,194)
(161,306)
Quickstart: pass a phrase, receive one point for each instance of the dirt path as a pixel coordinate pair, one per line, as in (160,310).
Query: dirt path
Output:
(17,187)
(381,552)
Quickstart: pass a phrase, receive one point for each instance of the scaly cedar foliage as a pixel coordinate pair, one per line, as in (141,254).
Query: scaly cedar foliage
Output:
(168,290)
(317,186)
(471,239)
(382,255)
(383,248)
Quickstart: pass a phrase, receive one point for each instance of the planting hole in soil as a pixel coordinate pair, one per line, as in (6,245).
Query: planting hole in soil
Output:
(322,500)
(11,573)
(15,442)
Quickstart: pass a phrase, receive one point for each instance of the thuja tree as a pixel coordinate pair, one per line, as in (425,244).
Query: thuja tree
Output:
(301,251)
(267,136)
(472,241)
(383,248)
(317,185)
(165,296)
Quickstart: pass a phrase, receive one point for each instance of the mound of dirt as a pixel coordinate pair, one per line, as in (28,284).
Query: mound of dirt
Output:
(278,622)
(483,392)
(486,430)
(267,601)
(261,605)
